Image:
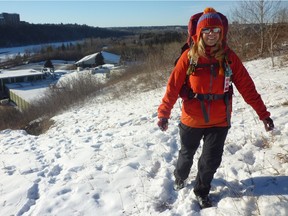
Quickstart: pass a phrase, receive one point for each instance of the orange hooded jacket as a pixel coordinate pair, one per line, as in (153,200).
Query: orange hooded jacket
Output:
(204,81)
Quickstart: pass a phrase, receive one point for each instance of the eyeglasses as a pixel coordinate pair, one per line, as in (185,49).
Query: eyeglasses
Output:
(208,30)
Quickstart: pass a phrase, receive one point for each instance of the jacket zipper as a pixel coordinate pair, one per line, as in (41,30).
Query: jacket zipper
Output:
(212,74)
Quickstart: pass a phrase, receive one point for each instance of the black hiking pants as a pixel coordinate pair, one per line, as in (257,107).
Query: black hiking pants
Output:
(210,159)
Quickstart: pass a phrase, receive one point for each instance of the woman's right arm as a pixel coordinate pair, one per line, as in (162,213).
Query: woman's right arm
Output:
(175,82)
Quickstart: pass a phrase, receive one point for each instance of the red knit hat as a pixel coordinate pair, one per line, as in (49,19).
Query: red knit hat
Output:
(209,18)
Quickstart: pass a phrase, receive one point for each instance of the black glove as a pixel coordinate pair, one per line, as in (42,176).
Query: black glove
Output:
(163,124)
(268,123)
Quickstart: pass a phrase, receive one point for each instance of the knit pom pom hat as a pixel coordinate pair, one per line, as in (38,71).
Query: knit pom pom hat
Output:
(209,18)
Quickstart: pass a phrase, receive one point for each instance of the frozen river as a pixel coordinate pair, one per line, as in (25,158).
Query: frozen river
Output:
(10,52)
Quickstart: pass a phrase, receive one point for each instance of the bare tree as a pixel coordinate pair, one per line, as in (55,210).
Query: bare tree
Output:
(240,39)
(260,13)
(273,31)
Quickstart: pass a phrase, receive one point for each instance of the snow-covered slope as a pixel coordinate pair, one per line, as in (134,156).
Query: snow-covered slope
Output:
(109,158)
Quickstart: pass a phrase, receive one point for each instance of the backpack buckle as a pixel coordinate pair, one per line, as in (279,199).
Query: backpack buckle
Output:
(210,97)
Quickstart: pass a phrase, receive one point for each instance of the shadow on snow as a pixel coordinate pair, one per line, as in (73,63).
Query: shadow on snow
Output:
(256,186)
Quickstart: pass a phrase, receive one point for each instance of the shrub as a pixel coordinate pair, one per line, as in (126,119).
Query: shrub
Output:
(8,115)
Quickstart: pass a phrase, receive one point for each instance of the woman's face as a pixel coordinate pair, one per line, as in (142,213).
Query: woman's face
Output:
(210,35)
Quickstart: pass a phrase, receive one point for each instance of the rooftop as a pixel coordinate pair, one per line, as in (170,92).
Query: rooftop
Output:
(18,73)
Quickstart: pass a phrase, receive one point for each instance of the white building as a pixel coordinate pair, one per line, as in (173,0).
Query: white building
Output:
(13,83)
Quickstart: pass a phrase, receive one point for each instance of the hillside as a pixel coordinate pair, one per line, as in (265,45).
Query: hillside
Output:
(27,34)
(108,157)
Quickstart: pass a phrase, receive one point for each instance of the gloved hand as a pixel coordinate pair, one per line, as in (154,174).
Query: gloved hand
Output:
(163,124)
(268,123)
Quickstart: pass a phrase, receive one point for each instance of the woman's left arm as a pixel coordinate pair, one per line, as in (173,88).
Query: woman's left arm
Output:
(246,87)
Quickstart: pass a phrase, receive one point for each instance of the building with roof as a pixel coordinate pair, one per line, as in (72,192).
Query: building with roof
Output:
(11,80)
(99,58)
(7,18)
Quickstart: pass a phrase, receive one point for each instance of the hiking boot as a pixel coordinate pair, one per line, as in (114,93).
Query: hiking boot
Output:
(204,201)
(179,184)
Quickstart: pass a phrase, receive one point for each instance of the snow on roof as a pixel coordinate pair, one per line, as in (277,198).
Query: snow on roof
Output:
(30,91)
(18,73)
(86,58)
(109,58)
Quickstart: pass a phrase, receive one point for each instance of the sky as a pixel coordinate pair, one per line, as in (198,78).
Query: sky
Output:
(108,157)
(111,13)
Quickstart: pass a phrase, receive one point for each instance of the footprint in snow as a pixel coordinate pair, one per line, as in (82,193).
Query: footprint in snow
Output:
(55,171)
(99,167)
(76,169)
(32,196)
(64,191)
(155,169)
(232,148)
(96,198)
(9,170)
(249,158)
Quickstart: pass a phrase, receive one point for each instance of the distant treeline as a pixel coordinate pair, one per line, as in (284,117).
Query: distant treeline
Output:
(26,34)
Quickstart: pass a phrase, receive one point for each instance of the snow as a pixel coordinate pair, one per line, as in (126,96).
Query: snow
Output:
(108,58)
(108,157)
(12,52)
(18,73)
(30,91)
(90,58)
(34,90)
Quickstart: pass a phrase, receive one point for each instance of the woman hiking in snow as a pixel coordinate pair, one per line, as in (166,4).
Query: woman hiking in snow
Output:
(202,77)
